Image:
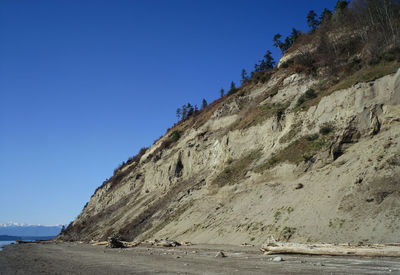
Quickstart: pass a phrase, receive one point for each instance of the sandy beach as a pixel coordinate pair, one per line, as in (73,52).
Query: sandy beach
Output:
(79,258)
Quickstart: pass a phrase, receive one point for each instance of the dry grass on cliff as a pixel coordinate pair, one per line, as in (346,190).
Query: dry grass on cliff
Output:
(302,149)
(257,114)
(366,74)
(348,79)
(236,170)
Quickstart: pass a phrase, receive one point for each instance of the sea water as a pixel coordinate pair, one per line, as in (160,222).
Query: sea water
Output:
(4,243)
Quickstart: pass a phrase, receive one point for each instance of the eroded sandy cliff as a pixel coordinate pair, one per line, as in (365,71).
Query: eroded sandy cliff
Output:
(261,166)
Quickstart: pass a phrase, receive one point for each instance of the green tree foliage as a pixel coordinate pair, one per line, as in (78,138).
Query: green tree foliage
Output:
(288,42)
(267,63)
(341,5)
(277,43)
(312,20)
(244,76)
(184,112)
(325,17)
(222,92)
(294,35)
(376,23)
(187,110)
(203,103)
(175,135)
(233,88)
(308,95)
(339,15)
(190,109)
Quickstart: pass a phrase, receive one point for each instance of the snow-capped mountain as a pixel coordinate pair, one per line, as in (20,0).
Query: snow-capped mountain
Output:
(22,229)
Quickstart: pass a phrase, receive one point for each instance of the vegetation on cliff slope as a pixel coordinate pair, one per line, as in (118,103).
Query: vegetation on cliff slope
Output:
(356,42)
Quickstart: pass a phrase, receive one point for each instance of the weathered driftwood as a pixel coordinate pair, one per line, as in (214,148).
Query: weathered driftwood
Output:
(131,244)
(100,243)
(373,250)
(165,243)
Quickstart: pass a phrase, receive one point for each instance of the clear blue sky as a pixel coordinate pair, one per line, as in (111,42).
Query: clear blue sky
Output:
(85,84)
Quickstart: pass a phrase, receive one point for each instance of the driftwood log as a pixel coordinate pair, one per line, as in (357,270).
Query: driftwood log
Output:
(100,243)
(373,250)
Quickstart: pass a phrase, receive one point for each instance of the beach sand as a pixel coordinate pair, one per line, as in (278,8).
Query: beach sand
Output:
(79,258)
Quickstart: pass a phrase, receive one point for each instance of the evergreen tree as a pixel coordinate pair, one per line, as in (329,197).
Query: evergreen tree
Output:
(178,113)
(269,60)
(341,5)
(222,92)
(244,76)
(340,11)
(196,109)
(189,109)
(312,20)
(325,16)
(184,112)
(233,89)
(294,35)
(203,103)
(261,66)
(288,43)
(277,42)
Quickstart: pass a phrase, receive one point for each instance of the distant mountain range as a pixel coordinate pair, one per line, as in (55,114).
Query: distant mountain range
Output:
(29,230)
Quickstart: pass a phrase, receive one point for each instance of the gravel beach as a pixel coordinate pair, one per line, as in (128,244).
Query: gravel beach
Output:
(79,258)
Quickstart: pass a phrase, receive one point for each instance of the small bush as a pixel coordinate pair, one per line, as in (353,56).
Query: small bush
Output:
(388,57)
(175,135)
(273,160)
(312,137)
(326,129)
(354,65)
(287,64)
(305,59)
(309,94)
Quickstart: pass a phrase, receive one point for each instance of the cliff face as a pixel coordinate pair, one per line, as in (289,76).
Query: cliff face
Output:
(261,164)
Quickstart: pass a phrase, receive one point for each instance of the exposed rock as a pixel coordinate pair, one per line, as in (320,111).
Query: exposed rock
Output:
(363,124)
(277,259)
(299,186)
(167,243)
